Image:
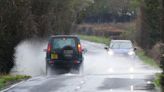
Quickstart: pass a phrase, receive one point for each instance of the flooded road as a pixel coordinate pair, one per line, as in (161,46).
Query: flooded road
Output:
(101,73)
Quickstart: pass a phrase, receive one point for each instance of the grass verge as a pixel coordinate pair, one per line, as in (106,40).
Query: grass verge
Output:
(157,80)
(97,39)
(146,59)
(6,80)
(151,62)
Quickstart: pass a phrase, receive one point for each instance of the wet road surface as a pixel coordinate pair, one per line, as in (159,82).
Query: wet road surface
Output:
(101,73)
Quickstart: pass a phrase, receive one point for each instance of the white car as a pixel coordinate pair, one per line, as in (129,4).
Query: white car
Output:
(124,47)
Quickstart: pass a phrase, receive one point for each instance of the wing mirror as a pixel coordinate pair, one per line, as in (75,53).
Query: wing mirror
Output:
(135,49)
(106,48)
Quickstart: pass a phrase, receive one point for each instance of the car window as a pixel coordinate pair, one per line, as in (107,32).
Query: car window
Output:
(121,45)
(59,43)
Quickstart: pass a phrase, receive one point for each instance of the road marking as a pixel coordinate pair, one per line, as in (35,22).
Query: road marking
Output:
(31,79)
(77,88)
(82,82)
(132,88)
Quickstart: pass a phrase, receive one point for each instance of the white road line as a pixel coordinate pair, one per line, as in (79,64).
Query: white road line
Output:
(12,86)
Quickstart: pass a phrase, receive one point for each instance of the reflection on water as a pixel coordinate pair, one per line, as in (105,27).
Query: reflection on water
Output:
(131,85)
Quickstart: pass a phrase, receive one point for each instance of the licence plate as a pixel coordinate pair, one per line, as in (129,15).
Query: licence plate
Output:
(68,51)
(54,56)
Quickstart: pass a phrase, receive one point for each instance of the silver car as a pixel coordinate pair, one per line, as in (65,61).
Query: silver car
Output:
(123,47)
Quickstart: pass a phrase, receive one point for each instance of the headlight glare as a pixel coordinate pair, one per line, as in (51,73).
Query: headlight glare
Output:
(131,53)
(110,52)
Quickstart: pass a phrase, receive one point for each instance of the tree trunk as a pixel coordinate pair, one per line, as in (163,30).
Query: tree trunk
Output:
(162,21)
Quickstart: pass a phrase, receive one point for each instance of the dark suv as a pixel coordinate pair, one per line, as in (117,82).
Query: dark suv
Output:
(64,51)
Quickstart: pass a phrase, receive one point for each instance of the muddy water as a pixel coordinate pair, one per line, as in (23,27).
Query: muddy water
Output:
(30,58)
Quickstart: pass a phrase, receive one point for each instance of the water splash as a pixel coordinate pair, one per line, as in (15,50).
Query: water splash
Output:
(30,58)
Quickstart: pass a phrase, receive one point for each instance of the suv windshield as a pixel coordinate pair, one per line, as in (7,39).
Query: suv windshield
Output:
(121,45)
(59,43)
